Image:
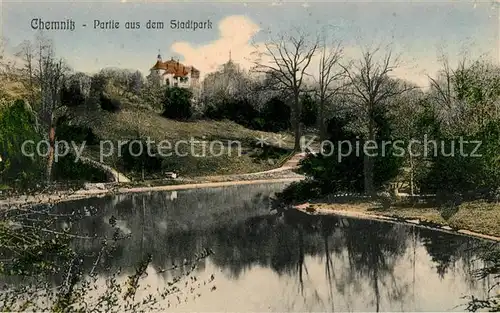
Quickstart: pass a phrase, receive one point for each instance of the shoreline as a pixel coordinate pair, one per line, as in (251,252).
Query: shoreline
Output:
(311,209)
(306,208)
(99,193)
(284,173)
(418,222)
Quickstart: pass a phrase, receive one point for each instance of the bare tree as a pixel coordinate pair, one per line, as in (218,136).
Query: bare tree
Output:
(288,57)
(6,65)
(442,93)
(52,75)
(4,70)
(229,81)
(371,87)
(27,54)
(405,111)
(153,79)
(328,81)
(464,96)
(46,76)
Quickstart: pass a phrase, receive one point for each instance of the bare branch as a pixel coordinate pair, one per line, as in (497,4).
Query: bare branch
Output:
(289,57)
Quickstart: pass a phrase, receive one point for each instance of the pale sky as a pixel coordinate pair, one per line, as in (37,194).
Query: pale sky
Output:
(419,31)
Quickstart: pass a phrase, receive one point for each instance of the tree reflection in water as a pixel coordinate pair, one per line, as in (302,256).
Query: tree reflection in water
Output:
(359,259)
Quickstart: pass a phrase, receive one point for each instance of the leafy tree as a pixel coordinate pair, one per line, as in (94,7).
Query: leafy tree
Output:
(465,98)
(456,169)
(97,85)
(16,127)
(454,113)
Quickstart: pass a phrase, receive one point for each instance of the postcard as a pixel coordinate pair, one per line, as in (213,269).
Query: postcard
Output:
(249,156)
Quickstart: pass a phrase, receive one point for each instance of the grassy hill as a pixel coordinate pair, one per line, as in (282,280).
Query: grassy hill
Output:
(133,122)
(137,120)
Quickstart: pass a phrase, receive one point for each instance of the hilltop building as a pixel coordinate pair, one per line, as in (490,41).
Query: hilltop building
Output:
(175,74)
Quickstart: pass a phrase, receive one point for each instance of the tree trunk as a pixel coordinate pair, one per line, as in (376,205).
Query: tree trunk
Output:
(118,174)
(296,132)
(321,120)
(368,174)
(368,161)
(52,146)
(412,191)
(296,122)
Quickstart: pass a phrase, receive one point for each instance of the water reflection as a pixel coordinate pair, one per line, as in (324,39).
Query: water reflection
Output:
(262,262)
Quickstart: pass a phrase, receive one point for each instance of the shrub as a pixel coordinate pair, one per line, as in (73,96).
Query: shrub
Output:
(109,104)
(131,162)
(240,111)
(266,152)
(67,169)
(177,103)
(75,133)
(275,115)
(72,96)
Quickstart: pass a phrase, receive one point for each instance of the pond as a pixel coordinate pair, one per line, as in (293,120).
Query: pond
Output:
(262,262)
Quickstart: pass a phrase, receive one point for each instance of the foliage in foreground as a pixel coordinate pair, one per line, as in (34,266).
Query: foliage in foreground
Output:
(491,257)
(36,250)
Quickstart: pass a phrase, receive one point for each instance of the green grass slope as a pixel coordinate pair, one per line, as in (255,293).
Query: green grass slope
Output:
(133,121)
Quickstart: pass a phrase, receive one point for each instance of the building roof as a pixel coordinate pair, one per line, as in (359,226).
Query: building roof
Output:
(176,68)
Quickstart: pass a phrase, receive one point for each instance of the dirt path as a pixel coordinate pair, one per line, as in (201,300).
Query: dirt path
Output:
(285,171)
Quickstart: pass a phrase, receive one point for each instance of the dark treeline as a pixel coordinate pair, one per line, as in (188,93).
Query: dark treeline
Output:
(455,123)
